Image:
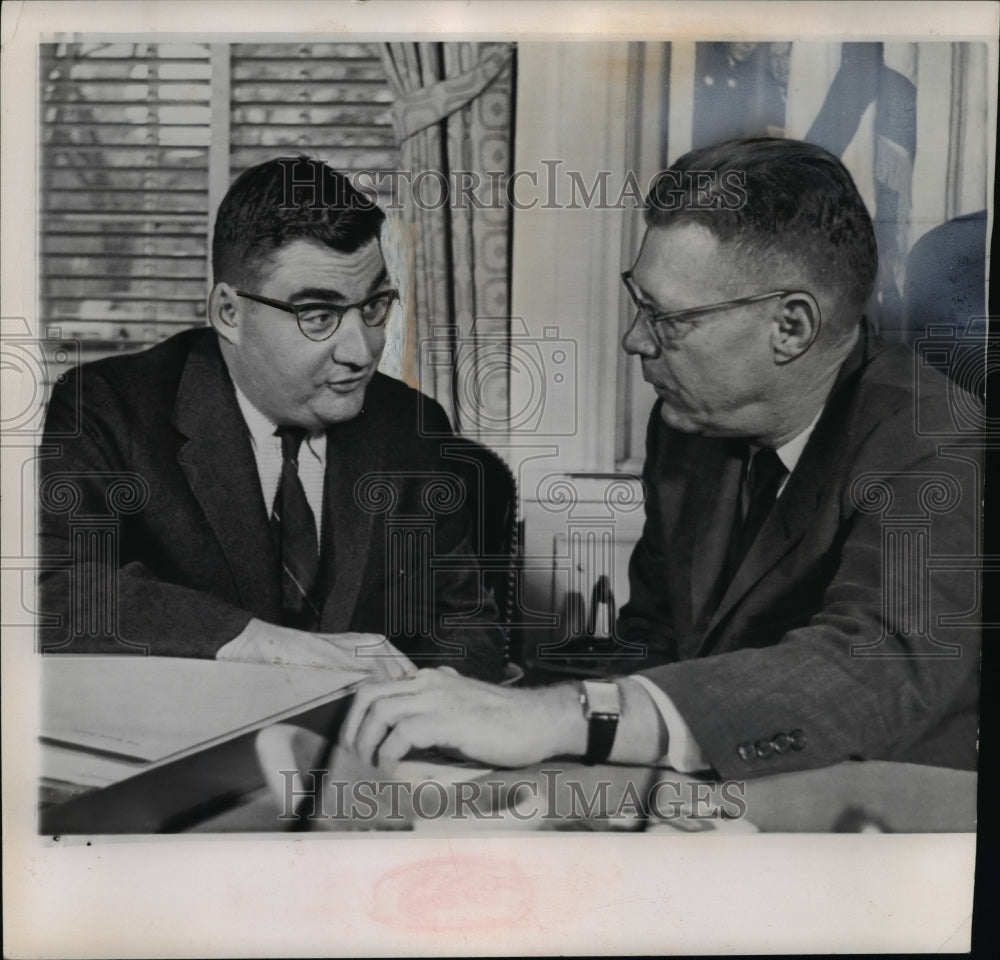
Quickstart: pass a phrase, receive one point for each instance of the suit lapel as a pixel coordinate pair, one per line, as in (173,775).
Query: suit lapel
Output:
(219,465)
(707,521)
(796,509)
(347,525)
(784,527)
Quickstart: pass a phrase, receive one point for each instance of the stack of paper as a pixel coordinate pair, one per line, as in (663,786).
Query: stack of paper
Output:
(107,718)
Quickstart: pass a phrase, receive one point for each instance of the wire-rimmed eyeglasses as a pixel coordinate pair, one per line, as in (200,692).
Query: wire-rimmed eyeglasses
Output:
(674,325)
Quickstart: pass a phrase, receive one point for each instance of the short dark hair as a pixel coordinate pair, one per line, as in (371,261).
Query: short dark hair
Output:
(287,199)
(777,198)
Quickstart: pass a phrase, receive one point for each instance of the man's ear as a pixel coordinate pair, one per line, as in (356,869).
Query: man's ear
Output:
(795,327)
(224,312)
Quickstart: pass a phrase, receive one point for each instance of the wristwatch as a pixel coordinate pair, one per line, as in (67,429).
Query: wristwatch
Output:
(602,706)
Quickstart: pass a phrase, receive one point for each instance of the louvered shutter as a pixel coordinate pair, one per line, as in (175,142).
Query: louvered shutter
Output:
(133,159)
(327,100)
(126,129)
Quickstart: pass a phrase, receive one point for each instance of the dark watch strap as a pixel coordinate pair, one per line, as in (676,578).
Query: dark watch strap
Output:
(602,706)
(600,737)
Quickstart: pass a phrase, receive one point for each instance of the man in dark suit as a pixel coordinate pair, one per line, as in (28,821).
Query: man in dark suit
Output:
(800,483)
(241,493)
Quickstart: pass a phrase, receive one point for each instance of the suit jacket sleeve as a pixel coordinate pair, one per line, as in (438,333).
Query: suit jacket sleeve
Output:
(459,626)
(876,671)
(96,593)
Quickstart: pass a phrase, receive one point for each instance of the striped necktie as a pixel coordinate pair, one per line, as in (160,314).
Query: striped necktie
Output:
(294,529)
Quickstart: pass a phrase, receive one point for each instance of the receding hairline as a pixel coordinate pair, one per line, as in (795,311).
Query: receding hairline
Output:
(780,270)
(796,202)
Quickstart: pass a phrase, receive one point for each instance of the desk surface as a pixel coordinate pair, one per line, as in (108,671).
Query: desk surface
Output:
(222,789)
(175,796)
(848,797)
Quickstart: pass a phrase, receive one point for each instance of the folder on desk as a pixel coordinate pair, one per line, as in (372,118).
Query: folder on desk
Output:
(106,718)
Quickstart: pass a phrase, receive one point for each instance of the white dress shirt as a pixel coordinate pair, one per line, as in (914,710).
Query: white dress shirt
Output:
(683,753)
(267,452)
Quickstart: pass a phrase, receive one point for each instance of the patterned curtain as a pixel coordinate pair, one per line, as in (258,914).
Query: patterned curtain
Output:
(452,114)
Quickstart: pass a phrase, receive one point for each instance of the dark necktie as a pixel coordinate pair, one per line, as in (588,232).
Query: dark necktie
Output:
(294,530)
(764,475)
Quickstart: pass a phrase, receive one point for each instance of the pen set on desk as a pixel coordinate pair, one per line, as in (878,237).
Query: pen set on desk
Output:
(593,625)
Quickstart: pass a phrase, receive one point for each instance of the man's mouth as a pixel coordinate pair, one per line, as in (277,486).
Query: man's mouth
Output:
(660,387)
(346,385)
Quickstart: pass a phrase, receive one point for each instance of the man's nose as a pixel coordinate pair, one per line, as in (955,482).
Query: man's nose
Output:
(639,340)
(352,343)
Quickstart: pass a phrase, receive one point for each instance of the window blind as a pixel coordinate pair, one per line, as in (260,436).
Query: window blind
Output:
(126,129)
(132,139)
(327,100)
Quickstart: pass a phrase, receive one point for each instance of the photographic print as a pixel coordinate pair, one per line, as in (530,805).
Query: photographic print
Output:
(534,455)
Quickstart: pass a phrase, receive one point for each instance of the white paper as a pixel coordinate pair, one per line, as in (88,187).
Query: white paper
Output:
(119,704)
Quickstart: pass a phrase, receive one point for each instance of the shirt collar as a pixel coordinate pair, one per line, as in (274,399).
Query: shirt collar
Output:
(260,426)
(790,453)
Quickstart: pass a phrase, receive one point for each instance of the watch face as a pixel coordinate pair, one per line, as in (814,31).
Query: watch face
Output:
(603,696)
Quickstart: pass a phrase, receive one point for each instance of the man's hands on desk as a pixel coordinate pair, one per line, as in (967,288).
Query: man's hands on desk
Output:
(495,725)
(369,653)
(401,708)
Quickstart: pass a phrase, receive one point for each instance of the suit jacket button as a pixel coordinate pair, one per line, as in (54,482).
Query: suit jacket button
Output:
(781,742)
(746,752)
(798,739)
(764,749)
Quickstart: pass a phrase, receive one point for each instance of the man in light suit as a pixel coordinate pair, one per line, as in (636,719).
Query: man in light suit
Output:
(798,480)
(249,474)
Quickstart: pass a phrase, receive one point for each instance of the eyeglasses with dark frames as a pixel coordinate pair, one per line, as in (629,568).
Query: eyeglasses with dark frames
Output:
(674,325)
(320,321)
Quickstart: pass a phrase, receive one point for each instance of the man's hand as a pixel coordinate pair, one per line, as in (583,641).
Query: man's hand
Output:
(368,653)
(439,708)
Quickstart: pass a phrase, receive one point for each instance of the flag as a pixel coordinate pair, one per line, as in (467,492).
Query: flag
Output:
(886,75)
